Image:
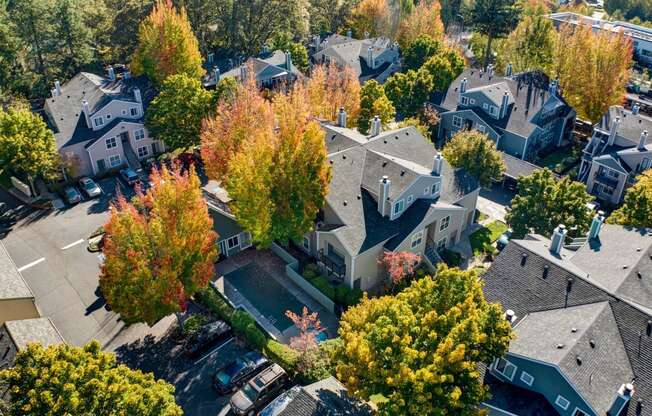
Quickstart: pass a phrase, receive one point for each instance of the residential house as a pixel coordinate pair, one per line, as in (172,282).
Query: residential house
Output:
(582,314)
(270,69)
(370,58)
(390,191)
(16,297)
(618,150)
(640,36)
(15,336)
(523,113)
(99,122)
(327,397)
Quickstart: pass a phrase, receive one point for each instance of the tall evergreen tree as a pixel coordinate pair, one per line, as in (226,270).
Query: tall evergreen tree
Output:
(73,37)
(494,19)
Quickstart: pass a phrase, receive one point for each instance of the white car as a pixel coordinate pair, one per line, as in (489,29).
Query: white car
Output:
(90,188)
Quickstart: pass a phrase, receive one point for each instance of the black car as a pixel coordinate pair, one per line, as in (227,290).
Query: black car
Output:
(206,337)
(259,391)
(234,375)
(129,176)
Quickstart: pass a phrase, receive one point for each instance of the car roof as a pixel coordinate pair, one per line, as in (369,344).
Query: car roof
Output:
(267,376)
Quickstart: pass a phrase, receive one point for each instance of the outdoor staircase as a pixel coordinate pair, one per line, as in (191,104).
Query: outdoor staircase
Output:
(432,256)
(132,159)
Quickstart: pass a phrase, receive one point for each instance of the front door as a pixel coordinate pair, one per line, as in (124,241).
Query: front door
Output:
(101,165)
(155,147)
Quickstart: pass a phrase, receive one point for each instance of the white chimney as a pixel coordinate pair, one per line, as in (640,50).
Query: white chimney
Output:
(111,73)
(510,316)
(57,87)
(635,109)
(216,74)
(366,35)
(383,193)
(557,240)
(349,33)
(596,225)
(243,73)
(642,141)
(137,95)
(211,56)
(87,114)
(437,163)
(375,126)
(370,57)
(613,131)
(552,88)
(504,104)
(463,86)
(623,396)
(341,117)
(508,71)
(490,70)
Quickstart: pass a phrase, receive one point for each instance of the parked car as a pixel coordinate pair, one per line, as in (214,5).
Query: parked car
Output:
(502,241)
(129,176)
(238,371)
(206,337)
(71,195)
(259,391)
(90,188)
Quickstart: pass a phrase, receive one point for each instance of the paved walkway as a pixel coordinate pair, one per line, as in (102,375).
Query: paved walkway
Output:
(494,202)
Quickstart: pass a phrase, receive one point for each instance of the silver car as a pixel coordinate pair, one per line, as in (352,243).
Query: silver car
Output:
(71,195)
(90,188)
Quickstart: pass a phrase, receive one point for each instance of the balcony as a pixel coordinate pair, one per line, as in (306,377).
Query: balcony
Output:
(604,179)
(333,263)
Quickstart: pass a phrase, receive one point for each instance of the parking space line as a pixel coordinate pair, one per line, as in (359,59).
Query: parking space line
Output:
(34,263)
(219,347)
(81,240)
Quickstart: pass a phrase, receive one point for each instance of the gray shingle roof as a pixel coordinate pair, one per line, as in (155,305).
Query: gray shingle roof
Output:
(631,125)
(12,284)
(515,167)
(353,52)
(518,283)
(39,330)
(267,66)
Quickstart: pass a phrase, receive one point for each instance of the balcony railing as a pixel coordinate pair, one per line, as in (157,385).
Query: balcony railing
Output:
(334,264)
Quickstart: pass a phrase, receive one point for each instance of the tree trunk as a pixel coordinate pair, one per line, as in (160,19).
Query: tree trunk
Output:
(487,52)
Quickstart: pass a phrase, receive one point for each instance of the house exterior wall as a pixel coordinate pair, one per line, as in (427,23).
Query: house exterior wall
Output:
(591,185)
(512,144)
(447,129)
(16,309)
(416,190)
(117,109)
(323,239)
(548,381)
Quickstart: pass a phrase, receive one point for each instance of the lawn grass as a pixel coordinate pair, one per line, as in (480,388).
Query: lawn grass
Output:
(486,235)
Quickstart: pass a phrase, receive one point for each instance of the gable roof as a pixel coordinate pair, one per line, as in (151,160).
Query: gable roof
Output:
(269,65)
(352,52)
(515,167)
(631,125)
(40,330)
(516,279)
(12,284)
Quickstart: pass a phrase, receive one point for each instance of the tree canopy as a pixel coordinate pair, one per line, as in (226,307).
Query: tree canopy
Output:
(530,46)
(494,19)
(331,88)
(543,202)
(27,145)
(176,113)
(370,17)
(409,90)
(166,45)
(423,20)
(69,380)
(477,154)
(160,249)
(374,102)
(420,349)
(419,51)
(636,210)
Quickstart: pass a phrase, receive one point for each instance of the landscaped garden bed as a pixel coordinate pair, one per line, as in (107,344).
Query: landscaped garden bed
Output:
(483,239)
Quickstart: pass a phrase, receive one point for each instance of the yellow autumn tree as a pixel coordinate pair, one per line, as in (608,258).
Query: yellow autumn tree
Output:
(330,88)
(371,17)
(593,68)
(166,45)
(425,19)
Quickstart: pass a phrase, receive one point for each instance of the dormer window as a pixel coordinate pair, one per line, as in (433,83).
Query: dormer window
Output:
(464,100)
(485,106)
(98,121)
(134,111)
(398,207)
(493,110)
(435,188)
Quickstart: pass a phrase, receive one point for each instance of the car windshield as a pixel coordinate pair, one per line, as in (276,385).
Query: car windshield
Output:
(71,193)
(250,392)
(234,368)
(88,184)
(131,174)
(223,377)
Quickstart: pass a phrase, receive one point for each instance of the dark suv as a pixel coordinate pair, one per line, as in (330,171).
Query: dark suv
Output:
(206,337)
(259,391)
(237,372)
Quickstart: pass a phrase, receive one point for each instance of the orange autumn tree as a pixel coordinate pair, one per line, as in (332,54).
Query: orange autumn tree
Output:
(593,69)
(425,19)
(399,265)
(330,88)
(371,17)
(166,45)
(159,249)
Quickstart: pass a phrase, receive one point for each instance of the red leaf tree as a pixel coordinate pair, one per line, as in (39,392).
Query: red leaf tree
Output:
(159,249)
(399,265)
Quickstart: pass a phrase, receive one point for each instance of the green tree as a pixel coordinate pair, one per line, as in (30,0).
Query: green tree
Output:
(477,154)
(175,115)
(636,210)
(374,102)
(283,42)
(73,37)
(159,250)
(67,380)
(408,91)
(127,15)
(419,51)
(420,349)
(444,68)
(11,72)
(27,146)
(494,19)
(166,45)
(530,46)
(543,202)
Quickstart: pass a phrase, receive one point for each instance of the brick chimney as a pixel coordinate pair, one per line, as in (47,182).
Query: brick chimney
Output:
(557,240)
(596,225)
(341,118)
(375,126)
(642,141)
(383,194)
(612,132)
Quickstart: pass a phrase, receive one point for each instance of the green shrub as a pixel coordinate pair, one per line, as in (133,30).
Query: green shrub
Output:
(421,273)
(281,354)
(324,287)
(193,323)
(452,258)
(341,293)
(309,274)
(353,297)
(245,325)
(213,301)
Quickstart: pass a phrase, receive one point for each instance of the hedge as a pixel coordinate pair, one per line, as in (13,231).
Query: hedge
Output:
(341,294)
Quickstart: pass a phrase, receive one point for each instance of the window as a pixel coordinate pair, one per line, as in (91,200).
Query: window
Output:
(99,121)
(562,402)
(233,242)
(493,110)
(398,207)
(441,244)
(527,378)
(417,239)
(603,189)
(645,164)
(306,242)
(457,121)
(435,188)
(143,152)
(108,116)
(426,191)
(579,412)
(471,101)
(505,368)
(111,143)
(612,173)
(114,160)
(133,111)
(410,198)
(139,134)
(464,100)
(480,128)
(485,106)
(445,222)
